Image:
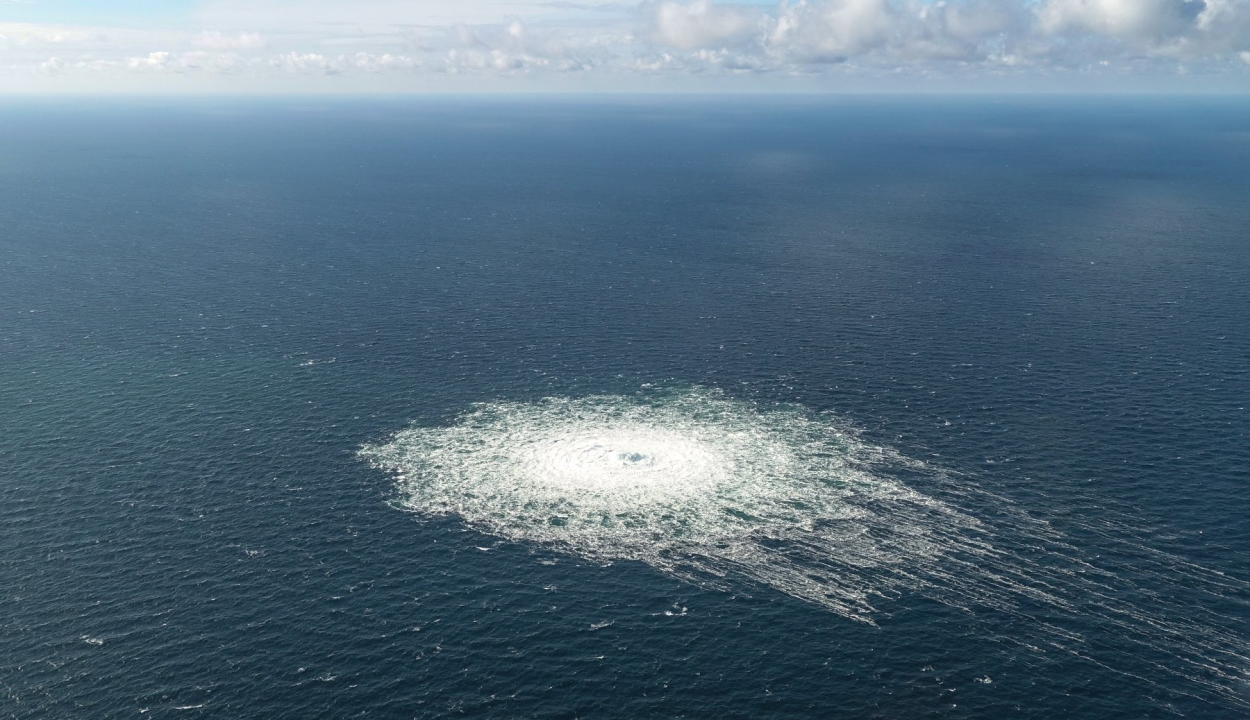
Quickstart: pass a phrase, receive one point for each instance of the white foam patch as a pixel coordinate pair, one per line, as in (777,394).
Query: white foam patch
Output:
(720,492)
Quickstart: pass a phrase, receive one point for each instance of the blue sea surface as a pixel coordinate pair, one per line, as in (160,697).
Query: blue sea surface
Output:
(208,307)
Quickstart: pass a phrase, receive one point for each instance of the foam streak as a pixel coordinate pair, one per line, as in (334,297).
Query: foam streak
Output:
(719,492)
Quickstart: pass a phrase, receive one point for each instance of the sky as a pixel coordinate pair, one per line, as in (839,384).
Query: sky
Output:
(551,46)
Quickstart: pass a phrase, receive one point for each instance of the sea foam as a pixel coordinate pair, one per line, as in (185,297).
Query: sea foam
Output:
(724,493)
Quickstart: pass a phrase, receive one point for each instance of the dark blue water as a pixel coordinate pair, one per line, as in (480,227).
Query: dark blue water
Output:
(208,307)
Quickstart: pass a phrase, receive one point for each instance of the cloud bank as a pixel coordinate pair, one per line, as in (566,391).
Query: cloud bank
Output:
(386,45)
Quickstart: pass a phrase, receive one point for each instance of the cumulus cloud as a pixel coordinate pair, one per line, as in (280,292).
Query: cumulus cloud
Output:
(152,61)
(702,24)
(611,42)
(383,63)
(834,30)
(914,34)
(1181,29)
(1222,26)
(306,63)
(52,66)
(1135,20)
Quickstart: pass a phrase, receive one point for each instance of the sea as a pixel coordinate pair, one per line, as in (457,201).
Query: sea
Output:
(625,407)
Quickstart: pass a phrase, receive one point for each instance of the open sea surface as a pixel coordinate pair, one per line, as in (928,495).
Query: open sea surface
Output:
(625,408)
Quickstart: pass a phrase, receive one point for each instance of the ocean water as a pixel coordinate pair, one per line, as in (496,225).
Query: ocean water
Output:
(625,408)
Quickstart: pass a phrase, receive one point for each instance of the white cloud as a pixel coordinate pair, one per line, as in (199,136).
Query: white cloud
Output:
(475,60)
(1182,29)
(52,66)
(267,43)
(1222,26)
(700,24)
(213,40)
(833,30)
(371,16)
(383,63)
(1139,20)
(311,63)
(31,33)
(152,61)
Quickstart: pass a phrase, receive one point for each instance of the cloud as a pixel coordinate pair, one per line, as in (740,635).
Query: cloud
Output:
(213,40)
(152,61)
(35,34)
(306,63)
(1182,29)
(52,66)
(1222,26)
(915,34)
(383,63)
(372,16)
(644,45)
(1140,21)
(701,24)
(213,62)
(833,31)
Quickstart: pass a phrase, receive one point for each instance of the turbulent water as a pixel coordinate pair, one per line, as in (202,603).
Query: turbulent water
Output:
(713,490)
(692,483)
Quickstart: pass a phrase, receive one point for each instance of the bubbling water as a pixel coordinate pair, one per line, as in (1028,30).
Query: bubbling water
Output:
(691,482)
(722,493)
